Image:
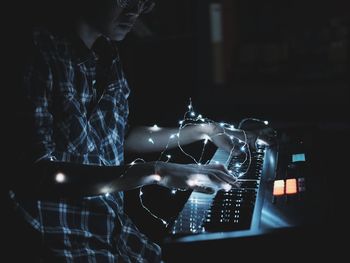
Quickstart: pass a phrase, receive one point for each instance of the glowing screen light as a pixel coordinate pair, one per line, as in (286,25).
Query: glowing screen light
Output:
(299,157)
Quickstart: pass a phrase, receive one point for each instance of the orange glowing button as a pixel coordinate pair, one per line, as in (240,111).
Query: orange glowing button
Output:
(291,186)
(278,187)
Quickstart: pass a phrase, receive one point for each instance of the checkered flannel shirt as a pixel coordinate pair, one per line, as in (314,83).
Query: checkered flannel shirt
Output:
(78,107)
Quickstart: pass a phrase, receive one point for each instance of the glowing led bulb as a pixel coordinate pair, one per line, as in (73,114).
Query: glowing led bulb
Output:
(60,177)
(155,177)
(226,187)
(105,190)
(155,128)
(151,140)
(241,174)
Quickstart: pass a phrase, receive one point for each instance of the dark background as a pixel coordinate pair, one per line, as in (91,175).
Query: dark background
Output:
(283,61)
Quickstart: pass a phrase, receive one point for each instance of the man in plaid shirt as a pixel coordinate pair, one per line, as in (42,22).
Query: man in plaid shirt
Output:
(76,112)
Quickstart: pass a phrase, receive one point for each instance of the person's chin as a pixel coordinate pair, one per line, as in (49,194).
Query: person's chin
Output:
(119,36)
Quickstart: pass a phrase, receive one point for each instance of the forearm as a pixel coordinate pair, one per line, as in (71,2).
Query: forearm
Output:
(216,130)
(69,180)
(155,139)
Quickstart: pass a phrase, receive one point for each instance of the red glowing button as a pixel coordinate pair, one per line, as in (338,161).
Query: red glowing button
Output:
(278,187)
(291,186)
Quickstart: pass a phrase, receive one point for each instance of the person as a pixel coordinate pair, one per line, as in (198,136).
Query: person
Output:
(74,111)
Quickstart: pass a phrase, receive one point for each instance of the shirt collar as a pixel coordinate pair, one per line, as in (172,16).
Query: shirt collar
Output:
(81,52)
(105,48)
(102,48)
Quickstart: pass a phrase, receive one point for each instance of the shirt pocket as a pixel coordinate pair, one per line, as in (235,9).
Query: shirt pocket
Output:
(72,124)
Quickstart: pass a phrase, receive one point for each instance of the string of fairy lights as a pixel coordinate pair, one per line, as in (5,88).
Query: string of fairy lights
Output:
(191,118)
(240,147)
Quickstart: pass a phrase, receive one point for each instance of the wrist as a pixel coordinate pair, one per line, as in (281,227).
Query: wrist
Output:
(157,174)
(210,130)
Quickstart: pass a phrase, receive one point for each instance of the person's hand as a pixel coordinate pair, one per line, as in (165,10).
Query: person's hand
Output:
(261,136)
(232,140)
(201,178)
(259,132)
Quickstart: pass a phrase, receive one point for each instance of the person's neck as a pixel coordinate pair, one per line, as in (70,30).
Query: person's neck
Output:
(87,33)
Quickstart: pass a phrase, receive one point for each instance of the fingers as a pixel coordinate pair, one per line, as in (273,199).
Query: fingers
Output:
(223,179)
(268,136)
(267,133)
(201,178)
(263,136)
(220,178)
(214,188)
(222,173)
(219,174)
(204,189)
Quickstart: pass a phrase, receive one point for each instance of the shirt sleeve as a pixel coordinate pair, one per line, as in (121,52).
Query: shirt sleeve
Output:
(37,83)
